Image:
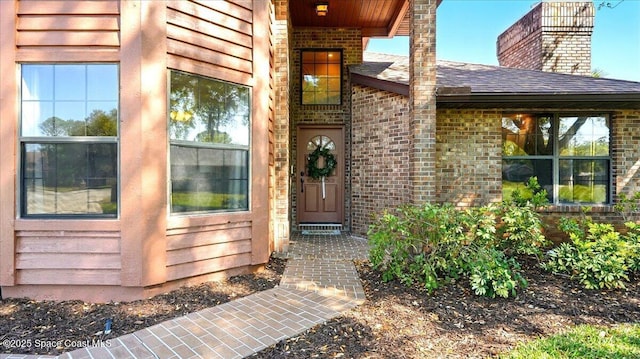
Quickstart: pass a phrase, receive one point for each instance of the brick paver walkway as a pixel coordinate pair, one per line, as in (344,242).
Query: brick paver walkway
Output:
(319,283)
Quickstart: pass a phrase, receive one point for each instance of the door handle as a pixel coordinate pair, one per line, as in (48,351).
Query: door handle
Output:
(302,182)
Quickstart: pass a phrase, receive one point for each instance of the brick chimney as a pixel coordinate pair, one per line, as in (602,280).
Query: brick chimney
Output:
(553,37)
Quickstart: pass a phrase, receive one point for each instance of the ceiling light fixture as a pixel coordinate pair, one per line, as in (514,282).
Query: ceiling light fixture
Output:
(322,8)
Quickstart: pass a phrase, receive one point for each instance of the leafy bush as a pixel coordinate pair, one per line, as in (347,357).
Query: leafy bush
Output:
(633,240)
(492,273)
(598,256)
(434,244)
(521,229)
(420,244)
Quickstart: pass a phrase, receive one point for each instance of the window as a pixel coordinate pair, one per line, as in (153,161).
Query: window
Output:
(69,140)
(569,154)
(321,77)
(209,149)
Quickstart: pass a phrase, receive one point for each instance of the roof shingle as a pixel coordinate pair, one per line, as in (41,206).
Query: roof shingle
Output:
(487,79)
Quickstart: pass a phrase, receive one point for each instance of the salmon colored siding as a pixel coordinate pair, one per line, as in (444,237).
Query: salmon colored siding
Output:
(68,24)
(146,250)
(214,42)
(8,130)
(68,257)
(205,249)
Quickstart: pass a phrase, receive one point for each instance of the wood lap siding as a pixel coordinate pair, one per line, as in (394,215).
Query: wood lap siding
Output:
(68,257)
(193,251)
(213,38)
(68,23)
(210,38)
(67,253)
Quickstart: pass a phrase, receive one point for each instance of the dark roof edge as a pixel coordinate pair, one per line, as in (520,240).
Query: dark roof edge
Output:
(628,100)
(625,100)
(390,86)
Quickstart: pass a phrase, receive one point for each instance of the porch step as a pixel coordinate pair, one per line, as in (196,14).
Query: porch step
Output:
(320,229)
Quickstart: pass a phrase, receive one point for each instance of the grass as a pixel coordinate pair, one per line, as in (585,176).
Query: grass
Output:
(584,341)
(206,201)
(109,207)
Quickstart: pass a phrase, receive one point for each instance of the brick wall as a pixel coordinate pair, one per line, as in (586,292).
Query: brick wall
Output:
(554,37)
(380,159)
(626,151)
(469,157)
(350,41)
(282,44)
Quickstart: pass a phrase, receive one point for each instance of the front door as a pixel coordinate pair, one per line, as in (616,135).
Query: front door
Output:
(320,199)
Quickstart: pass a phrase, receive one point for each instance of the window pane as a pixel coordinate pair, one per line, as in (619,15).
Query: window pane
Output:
(209,179)
(308,57)
(584,181)
(334,57)
(334,85)
(308,98)
(70,82)
(102,83)
(321,80)
(333,98)
(333,70)
(102,123)
(526,134)
(63,100)
(37,82)
(38,120)
(70,179)
(584,136)
(321,70)
(73,177)
(208,111)
(516,173)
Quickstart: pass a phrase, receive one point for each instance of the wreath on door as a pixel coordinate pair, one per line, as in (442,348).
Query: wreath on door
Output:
(330,163)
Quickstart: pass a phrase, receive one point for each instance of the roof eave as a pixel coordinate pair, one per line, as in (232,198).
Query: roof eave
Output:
(460,99)
(574,100)
(380,84)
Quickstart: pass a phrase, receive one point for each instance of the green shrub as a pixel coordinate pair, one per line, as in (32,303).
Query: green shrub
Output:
(418,244)
(520,230)
(597,256)
(492,273)
(434,244)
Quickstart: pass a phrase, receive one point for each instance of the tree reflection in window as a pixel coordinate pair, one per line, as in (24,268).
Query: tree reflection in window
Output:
(209,137)
(69,140)
(568,154)
(321,77)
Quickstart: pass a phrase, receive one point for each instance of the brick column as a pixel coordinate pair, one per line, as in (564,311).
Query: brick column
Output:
(422,101)
(281,35)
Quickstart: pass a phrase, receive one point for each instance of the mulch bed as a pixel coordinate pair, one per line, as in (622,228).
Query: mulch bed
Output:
(401,322)
(30,327)
(394,322)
